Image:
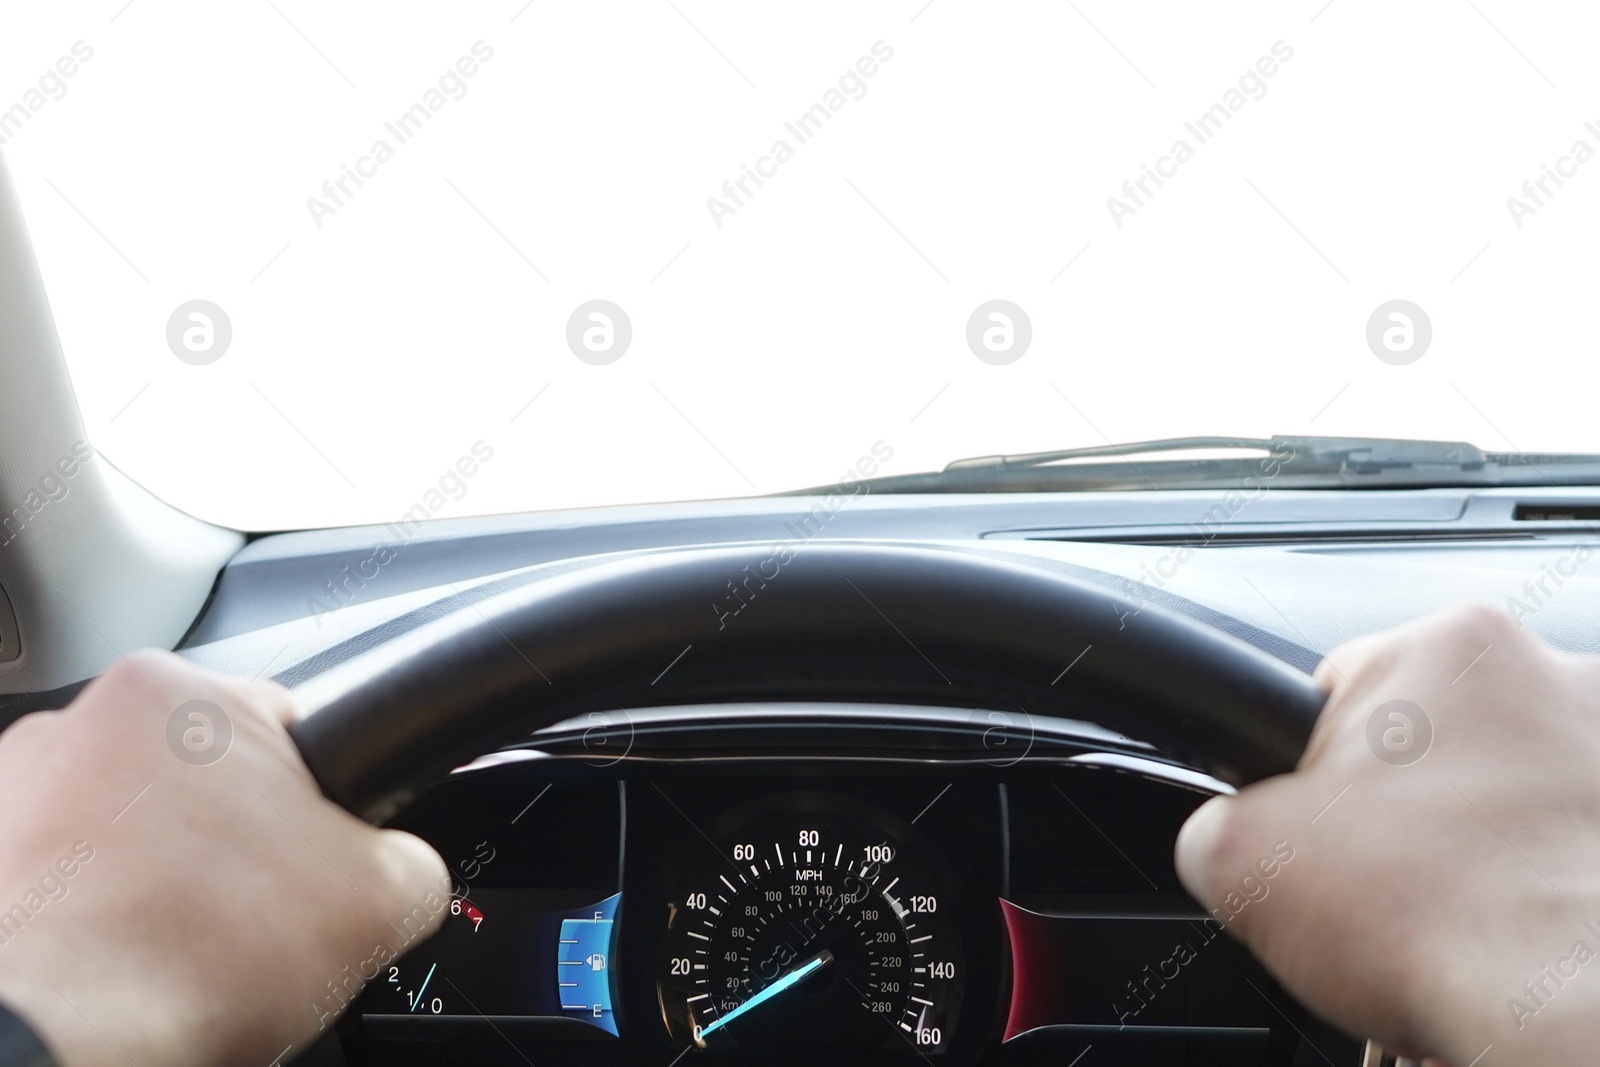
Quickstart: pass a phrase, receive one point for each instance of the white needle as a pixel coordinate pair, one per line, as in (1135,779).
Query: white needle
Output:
(815,963)
(424,988)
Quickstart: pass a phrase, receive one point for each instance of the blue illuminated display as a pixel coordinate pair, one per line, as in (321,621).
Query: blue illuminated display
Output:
(583,964)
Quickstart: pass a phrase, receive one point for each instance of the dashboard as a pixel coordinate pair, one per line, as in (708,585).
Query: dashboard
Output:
(1033,853)
(805,884)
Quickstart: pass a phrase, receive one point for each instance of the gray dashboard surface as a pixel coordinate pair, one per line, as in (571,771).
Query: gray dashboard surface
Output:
(1293,572)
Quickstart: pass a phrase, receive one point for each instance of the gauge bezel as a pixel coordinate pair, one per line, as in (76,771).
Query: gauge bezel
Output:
(839,824)
(953,856)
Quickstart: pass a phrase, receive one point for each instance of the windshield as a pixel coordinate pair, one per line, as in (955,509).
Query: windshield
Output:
(534,256)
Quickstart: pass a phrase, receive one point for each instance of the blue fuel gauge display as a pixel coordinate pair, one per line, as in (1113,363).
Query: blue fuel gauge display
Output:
(583,963)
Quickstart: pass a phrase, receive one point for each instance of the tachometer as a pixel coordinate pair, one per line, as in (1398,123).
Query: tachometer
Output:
(812,929)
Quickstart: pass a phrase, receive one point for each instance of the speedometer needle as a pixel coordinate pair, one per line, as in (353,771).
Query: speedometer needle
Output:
(810,966)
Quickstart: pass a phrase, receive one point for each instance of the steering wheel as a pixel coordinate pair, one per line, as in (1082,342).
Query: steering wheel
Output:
(877,622)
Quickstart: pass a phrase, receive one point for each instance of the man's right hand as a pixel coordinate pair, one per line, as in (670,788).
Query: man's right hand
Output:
(1444,897)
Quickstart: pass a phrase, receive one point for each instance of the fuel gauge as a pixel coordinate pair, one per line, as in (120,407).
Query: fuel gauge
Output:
(583,964)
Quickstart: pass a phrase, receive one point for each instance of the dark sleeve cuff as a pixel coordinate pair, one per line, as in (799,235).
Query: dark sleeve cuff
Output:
(19,1045)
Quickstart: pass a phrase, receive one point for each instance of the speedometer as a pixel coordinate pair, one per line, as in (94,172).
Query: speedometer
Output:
(809,927)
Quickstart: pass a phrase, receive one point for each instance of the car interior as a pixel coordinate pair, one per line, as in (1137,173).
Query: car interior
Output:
(883,771)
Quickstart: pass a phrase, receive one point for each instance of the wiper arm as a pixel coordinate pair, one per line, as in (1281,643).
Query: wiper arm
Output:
(1287,463)
(1170,444)
(1359,455)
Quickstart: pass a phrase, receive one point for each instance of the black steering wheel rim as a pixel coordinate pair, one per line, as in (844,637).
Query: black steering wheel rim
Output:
(820,622)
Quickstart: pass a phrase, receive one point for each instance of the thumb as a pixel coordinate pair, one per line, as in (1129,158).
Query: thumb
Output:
(1202,843)
(415,873)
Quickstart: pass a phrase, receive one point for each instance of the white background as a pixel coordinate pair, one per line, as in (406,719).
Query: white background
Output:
(830,311)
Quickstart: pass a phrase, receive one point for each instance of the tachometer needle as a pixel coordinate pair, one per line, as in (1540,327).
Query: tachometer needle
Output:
(810,966)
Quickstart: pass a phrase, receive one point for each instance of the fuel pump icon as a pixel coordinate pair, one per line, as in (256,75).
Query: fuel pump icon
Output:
(596,961)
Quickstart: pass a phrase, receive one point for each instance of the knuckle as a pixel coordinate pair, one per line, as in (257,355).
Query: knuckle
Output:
(1478,622)
(153,664)
(143,679)
(1361,657)
(133,669)
(269,699)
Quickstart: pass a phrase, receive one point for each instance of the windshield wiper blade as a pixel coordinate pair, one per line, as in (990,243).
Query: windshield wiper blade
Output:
(1286,462)
(1359,454)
